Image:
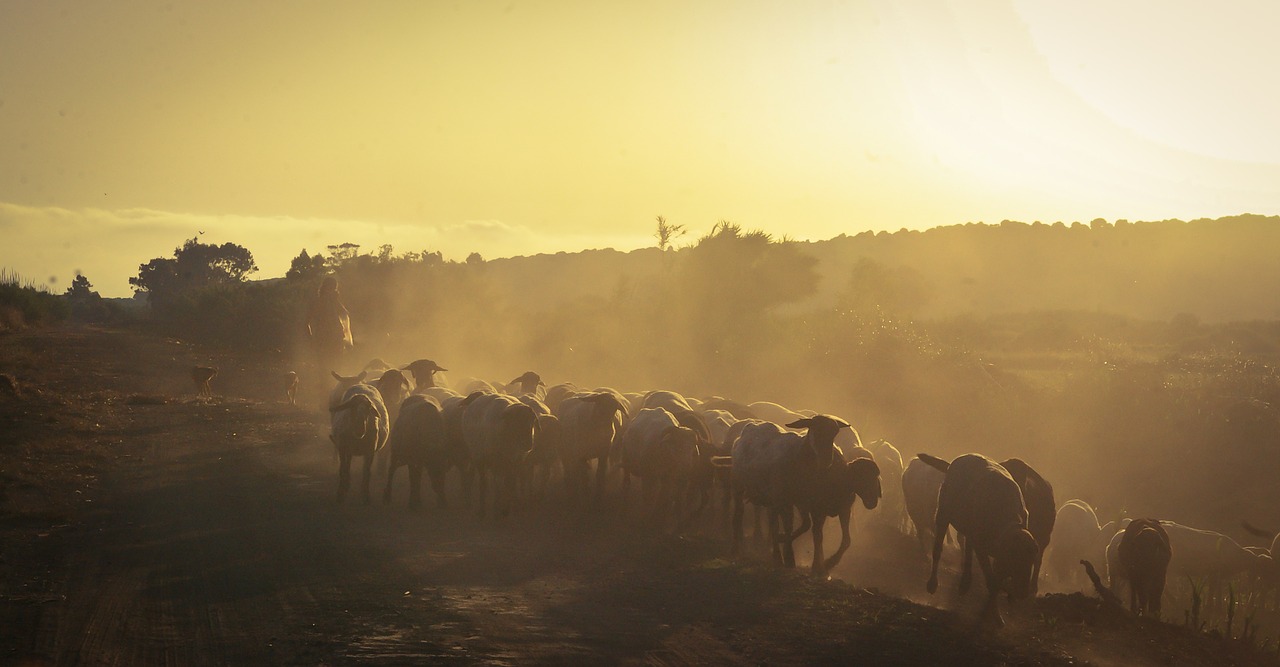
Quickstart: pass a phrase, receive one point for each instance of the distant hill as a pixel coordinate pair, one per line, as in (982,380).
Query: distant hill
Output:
(1219,270)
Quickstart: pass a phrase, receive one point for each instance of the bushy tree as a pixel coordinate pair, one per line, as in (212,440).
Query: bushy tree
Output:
(306,267)
(193,266)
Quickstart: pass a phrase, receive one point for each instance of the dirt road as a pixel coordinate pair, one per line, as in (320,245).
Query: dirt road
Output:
(142,526)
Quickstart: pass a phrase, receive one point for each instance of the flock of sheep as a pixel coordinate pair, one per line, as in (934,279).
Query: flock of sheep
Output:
(781,461)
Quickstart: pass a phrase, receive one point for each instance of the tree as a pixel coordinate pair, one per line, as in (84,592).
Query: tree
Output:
(475,258)
(342,253)
(667,232)
(306,267)
(81,289)
(194,266)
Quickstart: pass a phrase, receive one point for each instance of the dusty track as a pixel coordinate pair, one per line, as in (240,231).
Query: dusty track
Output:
(144,527)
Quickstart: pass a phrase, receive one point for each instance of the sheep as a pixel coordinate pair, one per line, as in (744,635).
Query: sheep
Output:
(291,387)
(472,385)
(530,384)
(920,485)
(589,423)
(1077,536)
(556,394)
(668,400)
(376,366)
(394,387)
(546,448)
(1198,555)
(772,412)
(201,375)
(359,427)
(663,453)
(780,470)
(499,431)
(415,434)
(1143,557)
(889,459)
(424,374)
(339,390)
(738,410)
(451,451)
(984,503)
(1037,495)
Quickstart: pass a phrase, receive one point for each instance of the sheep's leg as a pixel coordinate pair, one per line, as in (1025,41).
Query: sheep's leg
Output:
(544,476)
(602,471)
(1035,573)
(366,475)
(482,493)
(775,543)
(788,552)
(805,524)
(966,569)
(845,541)
(437,476)
(991,610)
(344,475)
(386,493)
(735,526)
(508,491)
(468,475)
(819,561)
(704,496)
(939,534)
(415,487)
(758,534)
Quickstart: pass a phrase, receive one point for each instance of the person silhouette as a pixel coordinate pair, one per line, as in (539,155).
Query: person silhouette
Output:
(329,328)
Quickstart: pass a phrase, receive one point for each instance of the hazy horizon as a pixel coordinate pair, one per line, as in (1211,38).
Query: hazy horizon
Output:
(517,129)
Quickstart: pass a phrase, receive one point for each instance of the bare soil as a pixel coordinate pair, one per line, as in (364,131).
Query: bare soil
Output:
(141,525)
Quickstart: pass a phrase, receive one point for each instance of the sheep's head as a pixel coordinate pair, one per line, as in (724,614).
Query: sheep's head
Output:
(529,381)
(1013,560)
(821,436)
(393,381)
(361,421)
(423,371)
(863,477)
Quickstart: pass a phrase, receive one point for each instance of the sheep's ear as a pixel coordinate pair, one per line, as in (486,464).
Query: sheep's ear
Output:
(362,376)
(840,423)
(801,423)
(336,376)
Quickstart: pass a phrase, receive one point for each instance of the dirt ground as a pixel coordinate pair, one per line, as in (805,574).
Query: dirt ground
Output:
(141,525)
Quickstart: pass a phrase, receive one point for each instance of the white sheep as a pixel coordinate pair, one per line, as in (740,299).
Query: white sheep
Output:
(664,454)
(589,423)
(1077,536)
(359,427)
(499,432)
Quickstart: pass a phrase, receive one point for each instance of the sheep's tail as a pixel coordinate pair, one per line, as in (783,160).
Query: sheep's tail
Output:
(934,462)
(1258,532)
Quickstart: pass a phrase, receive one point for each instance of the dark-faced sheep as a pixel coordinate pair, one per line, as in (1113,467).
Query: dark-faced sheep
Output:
(528,384)
(201,375)
(1042,510)
(1143,555)
(781,470)
(985,505)
(424,374)
(359,428)
(415,434)
(394,387)
(589,423)
(499,432)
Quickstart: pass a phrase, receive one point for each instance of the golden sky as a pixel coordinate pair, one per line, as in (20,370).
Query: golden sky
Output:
(520,127)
